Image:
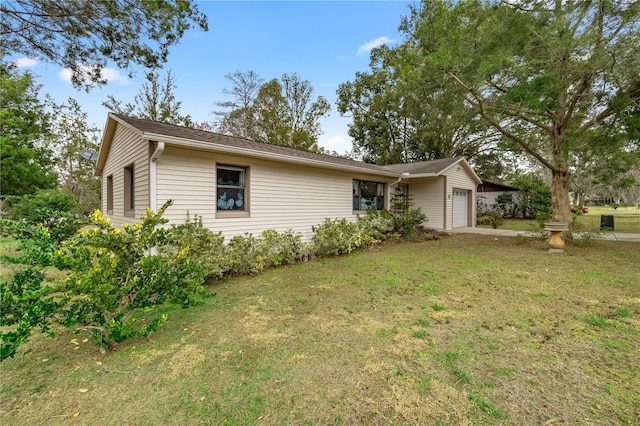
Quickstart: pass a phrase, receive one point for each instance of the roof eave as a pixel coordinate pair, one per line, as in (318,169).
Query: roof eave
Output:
(190,143)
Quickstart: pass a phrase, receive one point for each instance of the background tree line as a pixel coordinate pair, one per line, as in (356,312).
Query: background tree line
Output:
(546,88)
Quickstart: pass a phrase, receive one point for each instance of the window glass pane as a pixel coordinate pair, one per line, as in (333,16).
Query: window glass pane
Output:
(230,199)
(368,189)
(230,176)
(368,195)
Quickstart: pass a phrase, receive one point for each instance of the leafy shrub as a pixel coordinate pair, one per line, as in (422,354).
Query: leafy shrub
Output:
(29,207)
(334,237)
(25,304)
(406,223)
(405,218)
(245,255)
(493,218)
(57,211)
(206,248)
(112,274)
(542,218)
(496,219)
(376,225)
(282,248)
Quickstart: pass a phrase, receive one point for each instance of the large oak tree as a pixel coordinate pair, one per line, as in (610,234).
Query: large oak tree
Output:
(556,78)
(398,117)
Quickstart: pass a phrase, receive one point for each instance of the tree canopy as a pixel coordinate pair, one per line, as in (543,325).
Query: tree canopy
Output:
(155,101)
(239,119)
(399,117)
(282,112)
(555,79)
(84,36)
(74,145)
(25,161)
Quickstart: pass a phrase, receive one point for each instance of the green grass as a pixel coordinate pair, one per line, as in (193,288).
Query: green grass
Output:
(626,220)
(527,337)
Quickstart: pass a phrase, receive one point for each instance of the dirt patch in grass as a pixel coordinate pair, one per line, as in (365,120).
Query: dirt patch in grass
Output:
(468,329)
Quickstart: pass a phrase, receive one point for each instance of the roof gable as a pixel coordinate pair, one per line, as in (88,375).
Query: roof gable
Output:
(432,168)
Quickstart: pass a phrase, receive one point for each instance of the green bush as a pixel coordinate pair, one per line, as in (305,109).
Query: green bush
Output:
(206,248)
(542,218)
(113,276)
(57,211)
(29,206)
(493,218)
(112,273)
(334,237)
(282,248)
(245,255)
(376,225)
(25,304)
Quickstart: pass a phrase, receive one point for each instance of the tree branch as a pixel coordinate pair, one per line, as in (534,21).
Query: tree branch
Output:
(481,110)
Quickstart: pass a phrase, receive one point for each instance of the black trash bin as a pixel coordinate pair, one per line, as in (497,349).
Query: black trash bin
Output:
(606,222)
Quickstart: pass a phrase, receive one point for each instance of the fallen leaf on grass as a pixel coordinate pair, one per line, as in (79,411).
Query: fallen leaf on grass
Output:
(84,390)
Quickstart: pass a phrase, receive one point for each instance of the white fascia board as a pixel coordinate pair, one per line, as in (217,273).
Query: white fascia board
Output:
(208,146)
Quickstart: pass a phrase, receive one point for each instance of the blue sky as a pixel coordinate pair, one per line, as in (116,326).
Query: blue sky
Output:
(325,42)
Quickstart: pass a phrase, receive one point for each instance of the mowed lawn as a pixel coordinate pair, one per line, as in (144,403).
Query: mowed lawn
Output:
(626,220)
(465,330)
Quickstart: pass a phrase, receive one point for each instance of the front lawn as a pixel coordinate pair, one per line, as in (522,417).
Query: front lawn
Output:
(468,329)
(626,220)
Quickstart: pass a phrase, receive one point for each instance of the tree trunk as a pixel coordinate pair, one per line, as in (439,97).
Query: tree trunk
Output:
(560,195)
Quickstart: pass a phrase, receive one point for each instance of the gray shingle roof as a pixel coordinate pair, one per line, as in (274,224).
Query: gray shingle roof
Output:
(154,127)
(170,130)
(423,167)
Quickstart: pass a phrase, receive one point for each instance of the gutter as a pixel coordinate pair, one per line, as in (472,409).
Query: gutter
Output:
(261,154)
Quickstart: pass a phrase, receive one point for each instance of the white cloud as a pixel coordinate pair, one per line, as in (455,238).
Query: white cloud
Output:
(26,62)
(108,74)
(337,143)
(366,48)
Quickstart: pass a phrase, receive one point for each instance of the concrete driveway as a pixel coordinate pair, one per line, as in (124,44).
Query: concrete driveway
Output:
(608,235)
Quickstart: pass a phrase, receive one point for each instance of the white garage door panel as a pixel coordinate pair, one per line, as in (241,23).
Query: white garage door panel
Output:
(459,208)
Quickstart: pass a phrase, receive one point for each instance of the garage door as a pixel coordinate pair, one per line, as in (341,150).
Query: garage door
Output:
(460,203)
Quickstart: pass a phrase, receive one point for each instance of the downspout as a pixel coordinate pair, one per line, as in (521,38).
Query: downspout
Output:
(153,180)
(153,184)
(404,174)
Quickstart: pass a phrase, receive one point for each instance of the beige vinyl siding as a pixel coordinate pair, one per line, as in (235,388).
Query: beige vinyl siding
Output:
(127,149)
(428,195)
(460,179)
(279,196)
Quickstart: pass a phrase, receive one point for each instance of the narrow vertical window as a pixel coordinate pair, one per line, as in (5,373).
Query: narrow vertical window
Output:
(129,191)
(110,194)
